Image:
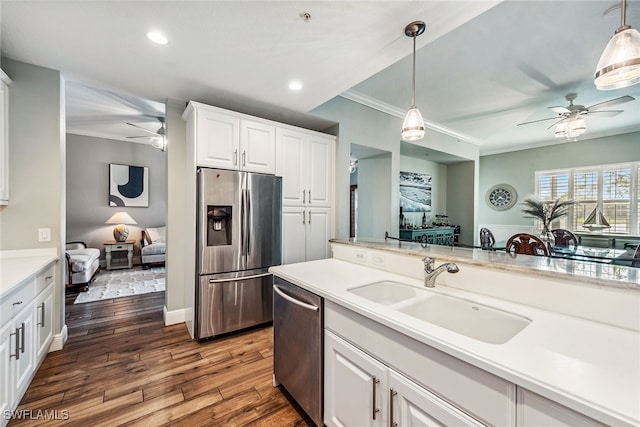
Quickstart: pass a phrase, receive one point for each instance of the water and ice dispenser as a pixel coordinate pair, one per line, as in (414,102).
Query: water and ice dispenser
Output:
(219,225)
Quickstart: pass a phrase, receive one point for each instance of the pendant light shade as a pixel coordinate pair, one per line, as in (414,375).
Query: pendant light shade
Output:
(413,124)
(619,65)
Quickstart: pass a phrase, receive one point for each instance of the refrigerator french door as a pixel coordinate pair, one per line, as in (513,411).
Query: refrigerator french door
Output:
(239,229)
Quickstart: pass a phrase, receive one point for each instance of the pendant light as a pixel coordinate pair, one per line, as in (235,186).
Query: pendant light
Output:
(619,65)
(413,125)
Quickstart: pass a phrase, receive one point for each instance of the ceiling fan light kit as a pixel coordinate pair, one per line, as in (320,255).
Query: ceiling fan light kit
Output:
(619,65)
(157,139)
(413,124)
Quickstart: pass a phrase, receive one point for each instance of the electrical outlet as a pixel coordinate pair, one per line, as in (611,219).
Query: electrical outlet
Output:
(361,257)
(378,260)
(44,234)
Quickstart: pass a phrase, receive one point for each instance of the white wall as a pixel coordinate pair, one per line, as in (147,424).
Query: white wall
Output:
(374,191)
(36,171)
(87,188)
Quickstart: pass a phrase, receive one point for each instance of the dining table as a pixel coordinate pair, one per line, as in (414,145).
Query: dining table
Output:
(594,254)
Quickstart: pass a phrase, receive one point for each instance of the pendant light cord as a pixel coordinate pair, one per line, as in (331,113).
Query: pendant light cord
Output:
(413,85)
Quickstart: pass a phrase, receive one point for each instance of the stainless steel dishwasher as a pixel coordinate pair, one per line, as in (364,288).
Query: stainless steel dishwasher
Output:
(298,345)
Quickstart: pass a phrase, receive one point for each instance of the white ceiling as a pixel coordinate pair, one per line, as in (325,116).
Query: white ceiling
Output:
(482,66)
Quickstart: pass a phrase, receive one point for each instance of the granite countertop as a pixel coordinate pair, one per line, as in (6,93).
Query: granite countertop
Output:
(582,271)
(18,265)
(588,366)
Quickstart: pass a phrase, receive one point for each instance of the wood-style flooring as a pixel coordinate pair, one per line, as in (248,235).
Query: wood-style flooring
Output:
(122,366)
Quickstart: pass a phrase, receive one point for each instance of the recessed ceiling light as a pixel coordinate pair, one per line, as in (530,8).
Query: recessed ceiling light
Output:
(156,37)
(295,85)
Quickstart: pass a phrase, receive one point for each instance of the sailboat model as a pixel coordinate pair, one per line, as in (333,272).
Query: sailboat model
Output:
(596,221)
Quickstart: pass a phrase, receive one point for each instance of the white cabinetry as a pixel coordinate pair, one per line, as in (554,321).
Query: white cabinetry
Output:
(535,410)
(26,333)
(4,138)
(304,160)
(361,391)
(305,234)
(227,141)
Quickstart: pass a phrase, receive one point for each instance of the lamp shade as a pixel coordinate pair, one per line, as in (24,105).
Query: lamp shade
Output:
(120,231)
(413,125)
(619,65)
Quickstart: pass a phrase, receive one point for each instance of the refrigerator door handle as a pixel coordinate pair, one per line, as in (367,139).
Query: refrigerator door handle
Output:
(238,279)
(248,195)
(295,301)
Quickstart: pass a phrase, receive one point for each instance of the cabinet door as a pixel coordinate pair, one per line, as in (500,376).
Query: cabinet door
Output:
(291,166)
(257,147)
(318,233)
(534,410)
(320,166)
(355,386)
(293,234)
(43,313)
(7,363)
(412,405)
(23,324)
(217,140)
(4,143)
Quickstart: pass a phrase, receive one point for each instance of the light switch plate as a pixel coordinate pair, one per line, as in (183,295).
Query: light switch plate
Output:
(44,234)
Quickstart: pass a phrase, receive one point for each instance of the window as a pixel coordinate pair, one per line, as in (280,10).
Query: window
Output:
(614,189)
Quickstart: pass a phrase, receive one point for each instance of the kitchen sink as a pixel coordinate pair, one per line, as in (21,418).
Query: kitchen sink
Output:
(464,317)
(467,318)
(385,292)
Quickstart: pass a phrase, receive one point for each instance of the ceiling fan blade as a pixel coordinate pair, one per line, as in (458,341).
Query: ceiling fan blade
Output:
(141,128)
(611,102)
(557,123)
(560,110)
(144,136)
(536,121)
(606,113)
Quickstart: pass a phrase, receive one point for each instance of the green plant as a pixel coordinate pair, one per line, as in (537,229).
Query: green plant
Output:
(546,211)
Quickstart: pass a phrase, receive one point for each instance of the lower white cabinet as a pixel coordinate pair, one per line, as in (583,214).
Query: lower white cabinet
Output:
(535,410)
(26,334)
(362,391)
(305,234)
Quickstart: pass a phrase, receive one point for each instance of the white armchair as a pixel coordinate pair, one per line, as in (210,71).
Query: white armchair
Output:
(153,244)
(83,264)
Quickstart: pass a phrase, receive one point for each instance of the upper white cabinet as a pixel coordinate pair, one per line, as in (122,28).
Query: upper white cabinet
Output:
(305,162)
(228,141)
(4,138)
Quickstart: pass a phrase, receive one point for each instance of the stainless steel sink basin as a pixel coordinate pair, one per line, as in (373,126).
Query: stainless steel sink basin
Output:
(467,318)
(464,317)
(385,292)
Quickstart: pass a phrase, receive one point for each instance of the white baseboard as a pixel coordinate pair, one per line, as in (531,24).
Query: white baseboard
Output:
(59,339)
(174,316)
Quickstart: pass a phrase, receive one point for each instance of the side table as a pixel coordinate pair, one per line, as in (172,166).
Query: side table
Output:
(113,246)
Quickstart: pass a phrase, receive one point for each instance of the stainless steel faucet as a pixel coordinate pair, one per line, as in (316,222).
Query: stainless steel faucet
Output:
(432,273)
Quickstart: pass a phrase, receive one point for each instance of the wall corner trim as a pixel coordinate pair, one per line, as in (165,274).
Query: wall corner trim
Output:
(174,316)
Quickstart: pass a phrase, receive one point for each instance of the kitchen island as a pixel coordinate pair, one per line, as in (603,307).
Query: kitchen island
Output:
(575,362)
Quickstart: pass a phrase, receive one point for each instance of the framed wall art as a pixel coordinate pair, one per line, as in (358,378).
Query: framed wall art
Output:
(128,186)
(415,192)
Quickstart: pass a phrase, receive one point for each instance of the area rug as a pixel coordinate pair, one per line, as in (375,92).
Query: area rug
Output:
(123,283)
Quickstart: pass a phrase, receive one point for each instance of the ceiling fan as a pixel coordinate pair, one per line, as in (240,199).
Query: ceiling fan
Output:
(158,138)
(569,120)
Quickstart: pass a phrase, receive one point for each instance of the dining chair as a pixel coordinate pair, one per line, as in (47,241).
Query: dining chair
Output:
(564,238)
(527,244)
(487,240)
(636,258)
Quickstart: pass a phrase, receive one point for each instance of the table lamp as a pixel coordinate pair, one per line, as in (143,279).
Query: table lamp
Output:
(120,231)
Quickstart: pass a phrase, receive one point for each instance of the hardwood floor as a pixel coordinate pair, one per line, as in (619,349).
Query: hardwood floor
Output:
(122,366)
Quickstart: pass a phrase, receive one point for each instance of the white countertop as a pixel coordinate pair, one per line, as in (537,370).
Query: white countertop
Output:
(590,367)
(582,271)
(18,265)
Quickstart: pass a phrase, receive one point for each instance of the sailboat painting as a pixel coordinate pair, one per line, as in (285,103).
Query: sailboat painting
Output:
(596,221)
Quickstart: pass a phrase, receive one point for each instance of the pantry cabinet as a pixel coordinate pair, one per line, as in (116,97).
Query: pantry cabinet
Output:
(305,233)
(228,141)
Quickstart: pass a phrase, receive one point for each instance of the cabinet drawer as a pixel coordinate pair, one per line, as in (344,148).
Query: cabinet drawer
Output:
(118,247)
(18,299)
(45,279)
(485,396)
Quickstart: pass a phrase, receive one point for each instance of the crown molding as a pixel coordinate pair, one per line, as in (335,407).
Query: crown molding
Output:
(383,107)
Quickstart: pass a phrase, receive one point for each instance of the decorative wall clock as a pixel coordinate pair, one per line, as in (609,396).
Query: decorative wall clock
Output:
(501,197)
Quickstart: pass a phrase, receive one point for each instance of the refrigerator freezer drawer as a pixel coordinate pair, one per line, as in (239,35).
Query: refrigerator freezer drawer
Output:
(227,304)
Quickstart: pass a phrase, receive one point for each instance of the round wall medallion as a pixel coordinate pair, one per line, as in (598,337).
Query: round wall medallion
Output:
(501,197)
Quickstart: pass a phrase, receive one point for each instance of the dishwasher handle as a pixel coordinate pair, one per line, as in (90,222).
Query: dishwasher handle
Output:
(295,301)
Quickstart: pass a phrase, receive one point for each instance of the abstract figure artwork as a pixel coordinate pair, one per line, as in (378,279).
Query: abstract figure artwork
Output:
(128,185)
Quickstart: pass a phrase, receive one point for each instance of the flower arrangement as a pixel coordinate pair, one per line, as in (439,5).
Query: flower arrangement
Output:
(546,212)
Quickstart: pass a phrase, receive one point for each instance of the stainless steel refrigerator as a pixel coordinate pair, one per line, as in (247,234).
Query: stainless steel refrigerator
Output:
(239,228)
